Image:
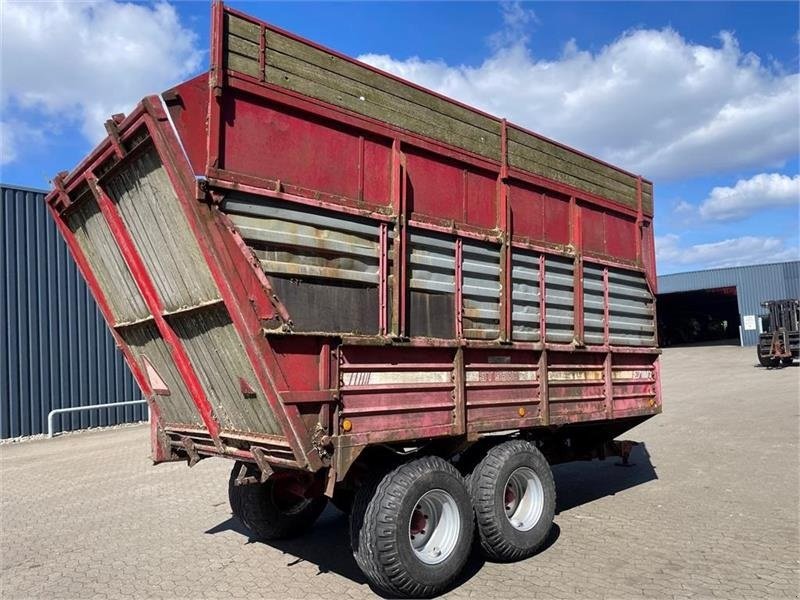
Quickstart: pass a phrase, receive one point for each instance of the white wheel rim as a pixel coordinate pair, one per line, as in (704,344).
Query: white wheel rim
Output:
(523,499)
(434,527)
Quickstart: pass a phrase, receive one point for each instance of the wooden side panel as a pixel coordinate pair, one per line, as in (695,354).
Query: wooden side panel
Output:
(538,156)
(313,72)
(273,57)
(242,39)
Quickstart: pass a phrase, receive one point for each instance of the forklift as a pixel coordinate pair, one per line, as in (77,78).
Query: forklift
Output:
(779,344)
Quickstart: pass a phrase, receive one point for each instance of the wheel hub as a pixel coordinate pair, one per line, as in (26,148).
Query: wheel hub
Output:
(434,527)
(523,498)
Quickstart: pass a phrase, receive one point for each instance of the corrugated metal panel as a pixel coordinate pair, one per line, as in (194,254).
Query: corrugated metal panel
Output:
(56,349)
(630,309)
(432,283)
(151,212)
(432,262)
(754,284)
(593,304)
(481,289)
(559,285)
(525,295)
(302,241)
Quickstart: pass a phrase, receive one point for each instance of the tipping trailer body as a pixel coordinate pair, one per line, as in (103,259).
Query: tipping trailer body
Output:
(301,257)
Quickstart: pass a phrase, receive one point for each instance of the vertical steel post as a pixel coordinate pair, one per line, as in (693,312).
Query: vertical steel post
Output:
(383,278)
(459,394)
(216,76)
(459,296)
(505,226)
(398,198)
(576,240)
(542,301)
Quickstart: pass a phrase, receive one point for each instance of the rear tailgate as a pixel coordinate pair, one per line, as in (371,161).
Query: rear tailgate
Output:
(152,259)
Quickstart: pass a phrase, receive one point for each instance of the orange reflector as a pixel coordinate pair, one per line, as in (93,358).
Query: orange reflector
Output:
(347,425)
(521,411)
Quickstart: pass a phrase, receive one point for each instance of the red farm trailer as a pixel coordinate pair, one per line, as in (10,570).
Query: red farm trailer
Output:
(360,290)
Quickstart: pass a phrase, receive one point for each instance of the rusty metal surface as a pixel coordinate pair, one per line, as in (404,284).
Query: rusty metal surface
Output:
(525,295)
(631,310)
(481,289)
(315,258)
(593,304)
(431,284)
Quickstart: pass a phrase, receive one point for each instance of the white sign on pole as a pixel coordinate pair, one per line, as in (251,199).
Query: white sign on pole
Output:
(749,322)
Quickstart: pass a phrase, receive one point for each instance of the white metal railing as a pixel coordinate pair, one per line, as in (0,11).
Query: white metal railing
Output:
(59,411)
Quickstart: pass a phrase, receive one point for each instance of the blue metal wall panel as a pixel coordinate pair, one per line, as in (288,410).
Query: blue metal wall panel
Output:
(754,285)
(56,349)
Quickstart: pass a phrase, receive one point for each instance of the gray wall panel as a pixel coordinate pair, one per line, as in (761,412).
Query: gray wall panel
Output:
(754,284)
(56,349)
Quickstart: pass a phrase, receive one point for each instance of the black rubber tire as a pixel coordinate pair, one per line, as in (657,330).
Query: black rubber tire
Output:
(498,538)
(787,361)
(254,505)
(764,361)
(343,499)
(379,529)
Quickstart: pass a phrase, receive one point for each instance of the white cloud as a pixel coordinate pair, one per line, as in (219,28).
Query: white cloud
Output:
(650,100)
(765,190)
(9,146)
(83,61)
(14,135)
(746,250)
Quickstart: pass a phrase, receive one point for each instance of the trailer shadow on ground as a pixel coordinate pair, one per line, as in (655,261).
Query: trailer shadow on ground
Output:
(326,545)
(581,482)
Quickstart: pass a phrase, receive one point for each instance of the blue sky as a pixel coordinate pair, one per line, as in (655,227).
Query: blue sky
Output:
(700,97)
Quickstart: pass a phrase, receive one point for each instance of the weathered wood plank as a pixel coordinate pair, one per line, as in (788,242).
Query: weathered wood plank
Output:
(347,101)
(540,169)
(243,64)
(549,162)
(647,197)
(242,46)
(559,153)
(244,29)
(378,104)
(360,74)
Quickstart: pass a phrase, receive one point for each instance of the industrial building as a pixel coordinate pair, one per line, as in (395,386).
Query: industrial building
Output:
(57,352)
(719,305)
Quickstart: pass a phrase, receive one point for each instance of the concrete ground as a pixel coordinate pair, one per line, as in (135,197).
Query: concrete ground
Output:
(710,509)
